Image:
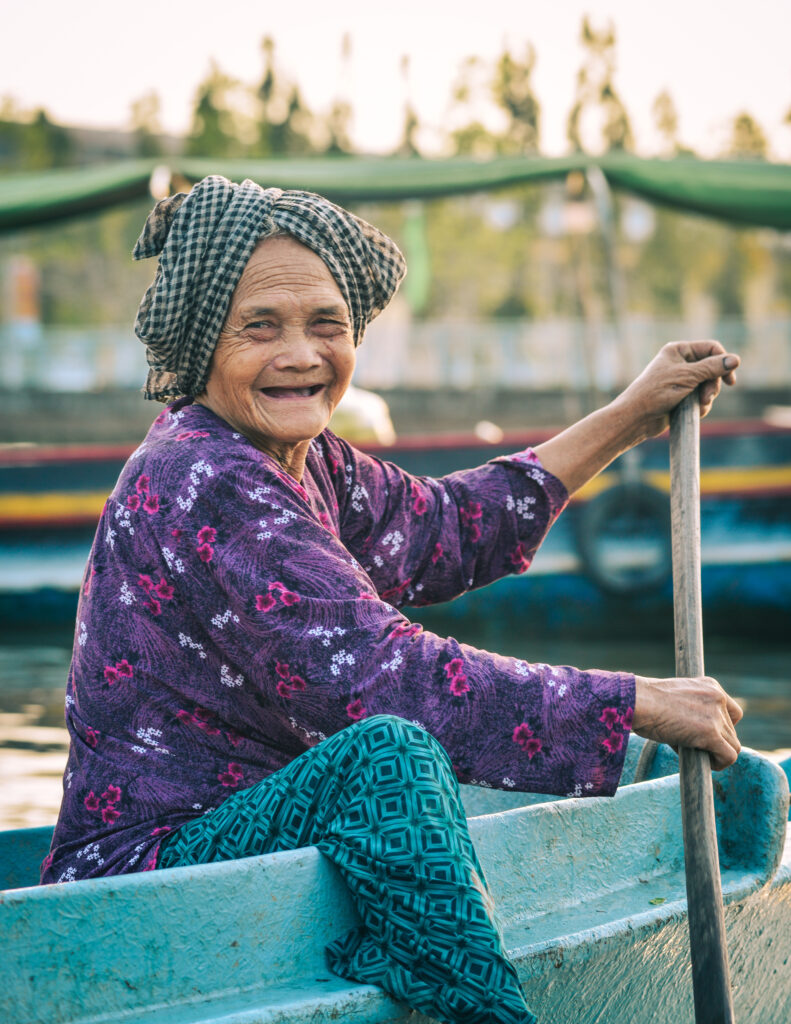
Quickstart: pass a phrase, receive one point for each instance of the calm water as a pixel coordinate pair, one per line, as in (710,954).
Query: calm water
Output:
(33,668)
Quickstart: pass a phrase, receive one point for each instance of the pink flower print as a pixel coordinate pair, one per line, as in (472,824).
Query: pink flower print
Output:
(283,688)
(46,864)
(151,504)
(202,717)
(264,602)
(234,737)
(110,814)
(112,794)
(288,597)
(406,629)
(613,743)
(160,831)
(355,710)
(153,606)
(89,581)
(519,558)
(335,464)
(454,668)
(233,777)
(326,522)
(395,594)
(522,734)
(276,586)
(164,590)
(111,674)
(610,717)
(91,737)
(459,685)
(297,683)
(176,534)
(146,583)
(142,484)
(207,535)
(133,502)
(92,801)
(205,552)
(626,718)
(282,669)
(124,669)
(183,716)
(437,553)
(419,503)
(185,435)
(533,747)
(474,532)
(365,596)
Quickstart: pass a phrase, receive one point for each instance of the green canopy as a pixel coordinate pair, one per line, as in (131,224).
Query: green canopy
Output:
(754,193)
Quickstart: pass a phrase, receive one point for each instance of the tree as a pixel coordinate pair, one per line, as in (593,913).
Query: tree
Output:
(595,91)
(144,116)
(513,92)
(747,141)
(212,132)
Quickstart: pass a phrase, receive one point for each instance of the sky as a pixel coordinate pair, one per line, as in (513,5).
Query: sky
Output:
(86,61)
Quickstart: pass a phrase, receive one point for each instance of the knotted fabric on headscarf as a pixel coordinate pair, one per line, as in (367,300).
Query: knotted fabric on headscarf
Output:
(204,239)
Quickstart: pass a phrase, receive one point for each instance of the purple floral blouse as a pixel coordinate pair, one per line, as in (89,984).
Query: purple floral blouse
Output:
(231,618)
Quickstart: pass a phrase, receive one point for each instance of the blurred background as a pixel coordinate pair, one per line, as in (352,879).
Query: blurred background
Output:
(526,304)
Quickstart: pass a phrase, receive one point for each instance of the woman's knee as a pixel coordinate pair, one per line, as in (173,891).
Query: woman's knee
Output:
(384,734)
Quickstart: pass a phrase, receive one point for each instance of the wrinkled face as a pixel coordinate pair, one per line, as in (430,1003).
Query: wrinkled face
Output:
(286,352)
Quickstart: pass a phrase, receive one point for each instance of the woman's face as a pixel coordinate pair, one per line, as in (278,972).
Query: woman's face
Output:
(286,352)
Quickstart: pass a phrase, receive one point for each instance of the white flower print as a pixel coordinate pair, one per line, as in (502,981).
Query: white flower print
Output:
(316,737)
(394,662)
(228,680)
(173,563)
(68,875)
(109,536)
(123,518)
(197,469)
(339,659)
(359,493)
(126,596)
(394,540)
(258,494)
(326,634)
(522,506)
(577,791)
(151,738)
(91,852)
(83,637)
(522,668)
(222,620)
(187,641)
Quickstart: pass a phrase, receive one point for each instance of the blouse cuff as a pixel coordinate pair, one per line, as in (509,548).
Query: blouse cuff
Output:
(554,488)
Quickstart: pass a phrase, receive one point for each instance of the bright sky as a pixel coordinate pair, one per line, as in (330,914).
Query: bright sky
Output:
(86,61)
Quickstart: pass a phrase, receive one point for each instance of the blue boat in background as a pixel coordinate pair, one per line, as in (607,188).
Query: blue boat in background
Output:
(605,563)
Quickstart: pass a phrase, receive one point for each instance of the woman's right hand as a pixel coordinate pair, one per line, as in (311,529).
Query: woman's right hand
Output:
(693,712)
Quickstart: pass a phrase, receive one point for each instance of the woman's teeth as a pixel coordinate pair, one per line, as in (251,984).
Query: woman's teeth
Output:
(292,392)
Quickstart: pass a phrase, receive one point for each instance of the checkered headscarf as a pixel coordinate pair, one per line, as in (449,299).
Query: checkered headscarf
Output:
(204,240)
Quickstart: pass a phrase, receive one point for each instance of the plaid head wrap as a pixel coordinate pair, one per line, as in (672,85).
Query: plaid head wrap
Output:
(204,240)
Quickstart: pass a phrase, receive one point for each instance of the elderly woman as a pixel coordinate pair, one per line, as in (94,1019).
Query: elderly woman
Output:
(242,680)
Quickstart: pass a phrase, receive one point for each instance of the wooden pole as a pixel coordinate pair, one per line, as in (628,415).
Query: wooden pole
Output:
(710,974)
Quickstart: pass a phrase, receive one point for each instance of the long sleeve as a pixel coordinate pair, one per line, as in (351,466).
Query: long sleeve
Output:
(224,627)
(311,638)
(424,540)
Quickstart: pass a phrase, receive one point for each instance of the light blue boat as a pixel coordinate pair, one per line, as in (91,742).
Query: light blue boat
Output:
(591,896)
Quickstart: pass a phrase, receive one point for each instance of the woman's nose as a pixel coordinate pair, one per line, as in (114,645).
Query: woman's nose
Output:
(298,352)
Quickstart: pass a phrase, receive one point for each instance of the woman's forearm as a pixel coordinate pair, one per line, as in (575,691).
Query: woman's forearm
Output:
(580,452)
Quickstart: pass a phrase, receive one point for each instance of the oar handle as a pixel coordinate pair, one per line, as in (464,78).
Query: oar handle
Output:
(710,973)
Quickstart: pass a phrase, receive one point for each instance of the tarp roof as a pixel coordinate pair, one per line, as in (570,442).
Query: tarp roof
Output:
(753,193)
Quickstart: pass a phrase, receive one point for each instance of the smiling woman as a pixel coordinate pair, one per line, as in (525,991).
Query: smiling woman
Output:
(242,679)
(285,355)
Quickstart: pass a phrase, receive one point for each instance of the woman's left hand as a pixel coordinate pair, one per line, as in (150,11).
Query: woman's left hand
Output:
(678,368)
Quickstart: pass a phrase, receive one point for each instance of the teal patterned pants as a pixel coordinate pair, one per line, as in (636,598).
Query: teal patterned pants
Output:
(380,799)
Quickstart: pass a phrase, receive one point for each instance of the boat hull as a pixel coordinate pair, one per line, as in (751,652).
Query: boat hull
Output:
(590,894)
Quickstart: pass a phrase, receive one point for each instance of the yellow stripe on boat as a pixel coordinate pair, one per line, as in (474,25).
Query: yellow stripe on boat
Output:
(51,505)
(722,480)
